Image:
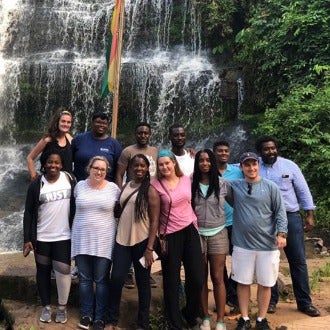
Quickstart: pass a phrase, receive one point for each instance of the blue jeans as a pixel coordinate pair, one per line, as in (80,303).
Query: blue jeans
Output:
(295,253)
(123,256)
(93,269)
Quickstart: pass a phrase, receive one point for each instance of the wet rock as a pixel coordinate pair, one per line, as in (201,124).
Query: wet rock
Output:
(284,284)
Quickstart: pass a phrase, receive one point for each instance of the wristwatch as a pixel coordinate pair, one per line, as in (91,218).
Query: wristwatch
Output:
(284,235)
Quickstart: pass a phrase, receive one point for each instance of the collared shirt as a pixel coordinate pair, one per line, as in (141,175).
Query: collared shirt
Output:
(289,178)
(232,172)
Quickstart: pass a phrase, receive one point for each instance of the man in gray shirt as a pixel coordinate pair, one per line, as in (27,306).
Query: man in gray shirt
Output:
(296,194)
(259,231)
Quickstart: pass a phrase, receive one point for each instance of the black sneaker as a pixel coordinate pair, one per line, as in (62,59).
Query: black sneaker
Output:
(129,282)
(310,310)
(235,311)
(242,324)
(262,325)
(98,325)
(85,322)
(271,309)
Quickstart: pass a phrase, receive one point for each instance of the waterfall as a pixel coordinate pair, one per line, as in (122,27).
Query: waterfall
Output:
(52,53)
(13,184)
(240,95)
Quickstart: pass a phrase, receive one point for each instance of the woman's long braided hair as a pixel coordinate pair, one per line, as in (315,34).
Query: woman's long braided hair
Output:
(142,200)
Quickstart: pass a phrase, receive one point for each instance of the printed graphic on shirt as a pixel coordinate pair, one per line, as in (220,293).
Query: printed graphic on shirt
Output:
(106,150)
(53,196)
(54,209)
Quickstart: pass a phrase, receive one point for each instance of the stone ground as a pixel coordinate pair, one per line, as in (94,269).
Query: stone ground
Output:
(17,289)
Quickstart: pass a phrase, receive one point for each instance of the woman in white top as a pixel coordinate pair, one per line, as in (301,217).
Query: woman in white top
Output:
(93,237)
(48,215)
(135,239)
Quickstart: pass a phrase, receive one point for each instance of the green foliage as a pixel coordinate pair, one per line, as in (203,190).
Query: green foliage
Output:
(281,45)
(318,274)
(221,20)
(157,319)
(284,50)
(301,123)
(218,15)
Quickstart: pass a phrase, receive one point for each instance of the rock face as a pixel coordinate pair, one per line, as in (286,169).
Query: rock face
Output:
(53,54)
(316,244)
(6,319)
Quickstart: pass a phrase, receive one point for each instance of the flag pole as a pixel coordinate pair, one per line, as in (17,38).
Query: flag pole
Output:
(117,72)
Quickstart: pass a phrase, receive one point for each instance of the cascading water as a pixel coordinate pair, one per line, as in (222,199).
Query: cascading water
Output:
(52,54)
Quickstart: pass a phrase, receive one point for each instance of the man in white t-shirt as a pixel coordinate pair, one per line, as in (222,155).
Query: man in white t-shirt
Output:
(177,136)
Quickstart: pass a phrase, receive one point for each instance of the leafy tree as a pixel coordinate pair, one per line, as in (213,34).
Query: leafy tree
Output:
(222,19)
(283,47)
(301,123)
(282,43)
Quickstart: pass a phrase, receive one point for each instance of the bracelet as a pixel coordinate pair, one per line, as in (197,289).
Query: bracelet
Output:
(149,249)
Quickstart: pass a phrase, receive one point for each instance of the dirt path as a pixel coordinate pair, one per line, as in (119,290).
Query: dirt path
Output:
(27,315)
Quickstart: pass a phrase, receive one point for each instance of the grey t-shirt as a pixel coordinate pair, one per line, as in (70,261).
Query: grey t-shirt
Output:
(258,215)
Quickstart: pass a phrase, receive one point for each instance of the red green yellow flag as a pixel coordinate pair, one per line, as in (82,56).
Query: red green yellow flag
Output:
(112,49)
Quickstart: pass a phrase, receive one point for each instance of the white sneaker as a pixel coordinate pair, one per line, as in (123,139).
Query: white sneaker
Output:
(220,326)
(206,324)
(46,315)
(61,315)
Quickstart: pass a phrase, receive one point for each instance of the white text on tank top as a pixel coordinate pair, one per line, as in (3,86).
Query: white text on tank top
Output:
(54,210)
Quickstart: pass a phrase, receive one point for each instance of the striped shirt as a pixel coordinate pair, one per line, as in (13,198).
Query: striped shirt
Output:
(94,226)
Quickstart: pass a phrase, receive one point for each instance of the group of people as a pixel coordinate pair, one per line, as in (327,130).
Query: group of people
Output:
(202,206)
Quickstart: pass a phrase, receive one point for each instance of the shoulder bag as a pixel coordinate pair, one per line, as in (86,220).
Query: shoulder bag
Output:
(118,209)
(161,241)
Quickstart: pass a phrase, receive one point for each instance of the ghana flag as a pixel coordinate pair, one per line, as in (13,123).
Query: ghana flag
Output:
(112,50)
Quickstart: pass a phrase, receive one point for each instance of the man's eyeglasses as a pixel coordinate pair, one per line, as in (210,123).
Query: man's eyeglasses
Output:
(249,188)
(97,169)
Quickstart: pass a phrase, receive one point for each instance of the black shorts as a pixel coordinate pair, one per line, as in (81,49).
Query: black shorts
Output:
(58,251)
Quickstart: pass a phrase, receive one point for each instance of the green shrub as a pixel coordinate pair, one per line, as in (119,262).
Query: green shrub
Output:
(301,124)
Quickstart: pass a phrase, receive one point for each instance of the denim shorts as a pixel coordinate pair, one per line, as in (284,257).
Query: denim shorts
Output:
(217,244)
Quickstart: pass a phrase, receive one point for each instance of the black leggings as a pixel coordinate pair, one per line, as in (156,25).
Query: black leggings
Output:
(183,246)
(50,255)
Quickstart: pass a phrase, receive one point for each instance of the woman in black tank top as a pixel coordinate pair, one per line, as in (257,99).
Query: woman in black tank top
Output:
(57,139)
